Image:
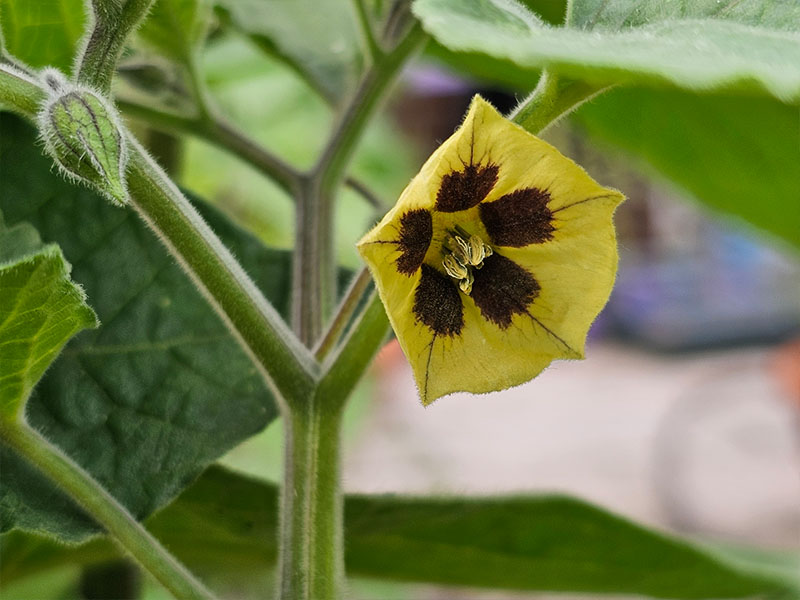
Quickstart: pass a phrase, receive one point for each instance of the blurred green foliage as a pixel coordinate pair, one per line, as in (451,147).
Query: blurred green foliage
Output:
(281,111)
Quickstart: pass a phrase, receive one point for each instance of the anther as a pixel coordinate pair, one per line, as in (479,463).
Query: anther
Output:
(462,253)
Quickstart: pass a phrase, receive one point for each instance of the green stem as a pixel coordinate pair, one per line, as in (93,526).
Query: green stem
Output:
(553,98)
(367,194)
(315,258)
(347,133)
(112,22)
(344,313)
(283,361)
(311,562)
(222,133)
(19,91)
(229,137)
(371,46)
(235,141)
(311,541)
(90,495)
(342,370)
(312,554)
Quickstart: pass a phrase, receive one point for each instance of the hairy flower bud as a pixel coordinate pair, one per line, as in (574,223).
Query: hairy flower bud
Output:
(83,135)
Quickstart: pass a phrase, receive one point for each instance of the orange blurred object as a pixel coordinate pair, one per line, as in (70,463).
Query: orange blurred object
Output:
(786,368)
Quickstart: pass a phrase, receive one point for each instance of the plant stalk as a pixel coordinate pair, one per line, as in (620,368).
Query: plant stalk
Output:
(553,98)
(311,561)
(112,22)
(286,365)
(371,46)
(91,496)
(345,311)
(229,137)
(315,259)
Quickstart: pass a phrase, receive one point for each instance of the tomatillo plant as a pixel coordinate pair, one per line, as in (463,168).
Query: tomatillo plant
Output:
(494,261)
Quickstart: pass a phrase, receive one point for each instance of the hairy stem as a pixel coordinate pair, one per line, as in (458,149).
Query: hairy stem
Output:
(345,311)
(286,364)
(311,561)
(223,134)
(553,98)
(314,260)
(229,137)
(111,24)
(371,46)
(91,496)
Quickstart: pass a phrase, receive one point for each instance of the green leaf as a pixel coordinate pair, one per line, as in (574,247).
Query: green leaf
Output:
(699,45)
(738,155)
(42,33)
(161,389)
(18,241)
(317,38)
(40,310)
(614,15)
(500,71)
(225,526)
(176,28)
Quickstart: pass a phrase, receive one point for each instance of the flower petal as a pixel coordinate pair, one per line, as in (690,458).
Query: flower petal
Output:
(518,219)
(437,303)
(461,190)
(533,297)
(503,289)
(416,231)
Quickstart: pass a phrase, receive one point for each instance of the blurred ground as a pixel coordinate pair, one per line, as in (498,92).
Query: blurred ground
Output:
(704,443)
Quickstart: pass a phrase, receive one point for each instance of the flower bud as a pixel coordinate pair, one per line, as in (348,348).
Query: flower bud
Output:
(83,135)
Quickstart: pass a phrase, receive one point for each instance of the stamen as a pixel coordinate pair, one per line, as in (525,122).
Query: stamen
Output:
(462,253)
(454,267)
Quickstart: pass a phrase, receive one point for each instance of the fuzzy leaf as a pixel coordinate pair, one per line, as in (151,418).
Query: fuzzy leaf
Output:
(744,46)
(161,389)
(737,155)
(225,527)
(40,310)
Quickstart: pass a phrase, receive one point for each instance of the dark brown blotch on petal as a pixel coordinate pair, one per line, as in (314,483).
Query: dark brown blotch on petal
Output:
(437,303)
(461,190)
(519,218)
(503,289)
(416,231)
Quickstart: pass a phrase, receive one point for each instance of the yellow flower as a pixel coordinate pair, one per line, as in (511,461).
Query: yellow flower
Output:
(495,260)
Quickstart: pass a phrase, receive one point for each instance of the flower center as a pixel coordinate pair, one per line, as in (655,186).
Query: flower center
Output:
(463,253)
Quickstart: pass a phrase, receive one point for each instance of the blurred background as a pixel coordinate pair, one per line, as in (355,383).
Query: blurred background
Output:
(685,414)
